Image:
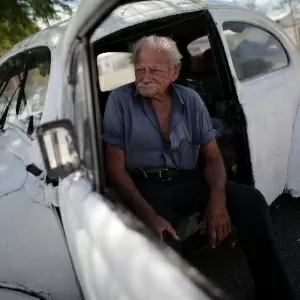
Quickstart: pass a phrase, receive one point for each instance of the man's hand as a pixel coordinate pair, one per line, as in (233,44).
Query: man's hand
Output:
(159,225)
(216,220)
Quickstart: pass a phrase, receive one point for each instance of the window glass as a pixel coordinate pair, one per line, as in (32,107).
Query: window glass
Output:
(254,51)
(81,117)
(201,55)
(115,70)
(10,92)
(35,89)
(199,46)
(200,68)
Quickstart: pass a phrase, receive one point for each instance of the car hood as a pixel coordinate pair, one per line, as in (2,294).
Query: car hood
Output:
(15,295)
(13,173)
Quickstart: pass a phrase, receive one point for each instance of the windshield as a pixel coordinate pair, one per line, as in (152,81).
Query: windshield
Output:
(33,93)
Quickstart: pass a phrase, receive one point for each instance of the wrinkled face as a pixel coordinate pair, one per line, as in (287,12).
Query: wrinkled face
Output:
(154,72)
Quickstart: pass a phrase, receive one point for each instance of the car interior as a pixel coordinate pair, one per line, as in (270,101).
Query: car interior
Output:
(204,69)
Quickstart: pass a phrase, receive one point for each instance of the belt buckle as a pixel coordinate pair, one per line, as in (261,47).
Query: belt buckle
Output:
(162,177)
(143,172)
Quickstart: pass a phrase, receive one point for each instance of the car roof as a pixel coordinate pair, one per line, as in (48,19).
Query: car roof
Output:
(51,36)
(131,14)
(124,16)
(138,12)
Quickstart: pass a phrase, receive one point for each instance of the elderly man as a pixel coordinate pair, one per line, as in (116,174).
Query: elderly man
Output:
(155,131)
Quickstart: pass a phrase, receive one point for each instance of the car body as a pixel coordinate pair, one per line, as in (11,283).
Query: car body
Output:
(63,231)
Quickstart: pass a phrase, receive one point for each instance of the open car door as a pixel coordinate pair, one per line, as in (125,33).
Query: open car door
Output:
(112,258)
(259,57)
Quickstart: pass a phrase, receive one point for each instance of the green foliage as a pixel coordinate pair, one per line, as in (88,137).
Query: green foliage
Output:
(252,5)
(18,18)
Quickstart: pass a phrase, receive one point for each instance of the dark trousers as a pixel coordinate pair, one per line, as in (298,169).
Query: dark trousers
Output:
(248,211)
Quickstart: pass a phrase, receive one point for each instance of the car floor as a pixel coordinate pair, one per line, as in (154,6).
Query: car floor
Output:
(226,265)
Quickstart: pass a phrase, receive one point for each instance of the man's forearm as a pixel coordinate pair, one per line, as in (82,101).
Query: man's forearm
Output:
(129,191)
(215,174)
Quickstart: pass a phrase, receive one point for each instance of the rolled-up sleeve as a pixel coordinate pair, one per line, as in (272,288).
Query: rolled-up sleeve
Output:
(207,132)
(113,123)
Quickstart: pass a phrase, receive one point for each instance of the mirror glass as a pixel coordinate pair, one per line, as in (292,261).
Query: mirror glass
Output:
(61,149)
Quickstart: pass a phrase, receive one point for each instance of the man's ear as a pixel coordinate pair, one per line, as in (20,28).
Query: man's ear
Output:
(176,71)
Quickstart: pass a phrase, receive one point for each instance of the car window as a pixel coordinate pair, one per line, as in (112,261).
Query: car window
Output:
(81,117)
(201,54)
(253,50)
(199,46)
(35,88)
(115,70)
(10,91)
(77,106)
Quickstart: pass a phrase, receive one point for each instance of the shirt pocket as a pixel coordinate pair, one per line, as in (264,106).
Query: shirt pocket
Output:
(187,155)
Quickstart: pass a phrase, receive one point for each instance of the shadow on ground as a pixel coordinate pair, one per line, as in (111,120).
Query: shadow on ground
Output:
(227,267)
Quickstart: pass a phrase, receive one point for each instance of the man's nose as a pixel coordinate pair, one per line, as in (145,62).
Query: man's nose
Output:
(147,76)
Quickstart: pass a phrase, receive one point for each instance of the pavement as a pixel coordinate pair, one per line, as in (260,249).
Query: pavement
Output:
(227,267)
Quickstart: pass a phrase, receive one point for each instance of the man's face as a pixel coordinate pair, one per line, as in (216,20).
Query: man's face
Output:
(154,72)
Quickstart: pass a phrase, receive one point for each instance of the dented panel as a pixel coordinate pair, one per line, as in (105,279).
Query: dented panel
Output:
(12,173)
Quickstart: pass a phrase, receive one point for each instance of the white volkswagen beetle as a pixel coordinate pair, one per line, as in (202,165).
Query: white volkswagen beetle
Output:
(63,233)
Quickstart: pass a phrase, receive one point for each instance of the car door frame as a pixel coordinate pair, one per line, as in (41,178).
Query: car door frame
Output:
(87,178)
(84,211)
(77,190)
(227,82)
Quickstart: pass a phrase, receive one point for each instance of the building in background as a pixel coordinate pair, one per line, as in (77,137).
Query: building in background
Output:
(287,16)
(291,25)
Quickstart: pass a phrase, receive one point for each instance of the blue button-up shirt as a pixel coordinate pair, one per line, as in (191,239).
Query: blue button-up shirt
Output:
(131,124)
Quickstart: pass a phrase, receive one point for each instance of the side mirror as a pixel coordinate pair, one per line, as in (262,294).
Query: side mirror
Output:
(59,148)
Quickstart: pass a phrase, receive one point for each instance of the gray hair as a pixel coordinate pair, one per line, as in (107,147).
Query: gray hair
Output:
(157,43)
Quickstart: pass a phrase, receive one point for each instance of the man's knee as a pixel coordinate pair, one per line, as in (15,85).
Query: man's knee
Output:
(245,200)
(255,198)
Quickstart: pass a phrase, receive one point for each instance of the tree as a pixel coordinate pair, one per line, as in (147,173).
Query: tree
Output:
(252,4)
(18,18)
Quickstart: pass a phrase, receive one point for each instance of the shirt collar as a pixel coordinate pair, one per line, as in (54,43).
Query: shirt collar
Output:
(174,93)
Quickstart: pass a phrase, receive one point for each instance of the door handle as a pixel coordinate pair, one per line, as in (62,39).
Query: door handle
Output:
(34,170)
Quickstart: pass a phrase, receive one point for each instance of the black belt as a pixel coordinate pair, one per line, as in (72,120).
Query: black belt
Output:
(163,174)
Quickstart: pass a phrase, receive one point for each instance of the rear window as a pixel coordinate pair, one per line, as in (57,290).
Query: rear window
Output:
(254,51)
(115,70)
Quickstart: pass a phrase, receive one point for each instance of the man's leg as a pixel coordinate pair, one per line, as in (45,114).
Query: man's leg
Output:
(249,213)
(161,196)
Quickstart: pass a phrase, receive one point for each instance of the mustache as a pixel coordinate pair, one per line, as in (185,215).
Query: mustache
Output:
(147,85)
